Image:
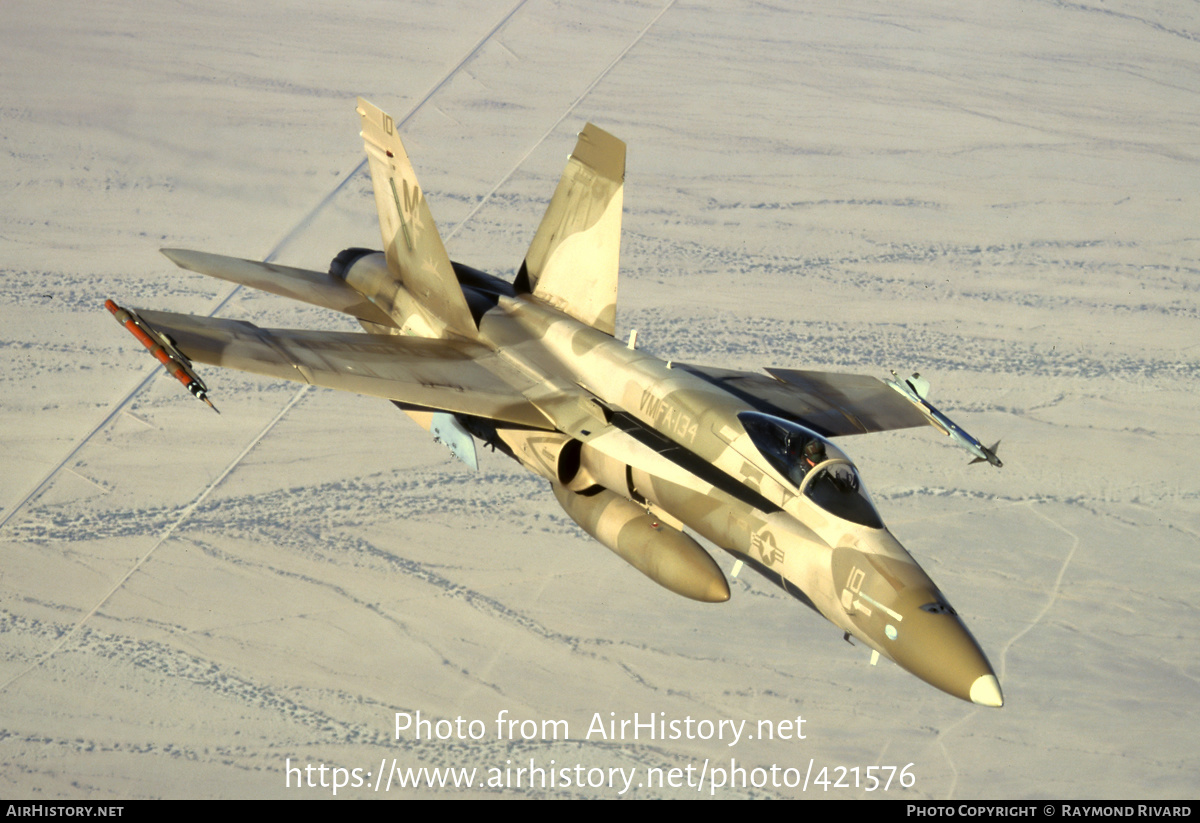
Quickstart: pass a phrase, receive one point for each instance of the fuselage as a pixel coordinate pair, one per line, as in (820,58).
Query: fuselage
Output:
(699,457)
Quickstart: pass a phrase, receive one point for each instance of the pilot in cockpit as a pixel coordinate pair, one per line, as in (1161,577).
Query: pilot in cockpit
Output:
(802,455)
(814,453)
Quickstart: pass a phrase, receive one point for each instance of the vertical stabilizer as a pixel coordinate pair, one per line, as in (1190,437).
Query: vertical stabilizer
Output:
(575,256)
(414,250)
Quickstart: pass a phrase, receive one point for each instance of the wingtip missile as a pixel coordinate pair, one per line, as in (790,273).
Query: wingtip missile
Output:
(915,389)
(164,351)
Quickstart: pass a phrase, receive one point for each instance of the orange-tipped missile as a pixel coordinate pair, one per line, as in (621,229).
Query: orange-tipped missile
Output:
(163,350)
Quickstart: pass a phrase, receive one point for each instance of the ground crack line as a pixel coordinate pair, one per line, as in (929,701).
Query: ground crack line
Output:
(1054,591)
(170,530)
(574,104)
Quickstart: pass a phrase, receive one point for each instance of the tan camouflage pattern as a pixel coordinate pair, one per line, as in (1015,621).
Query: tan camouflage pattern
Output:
(411,243)
(574,259)
(635,450)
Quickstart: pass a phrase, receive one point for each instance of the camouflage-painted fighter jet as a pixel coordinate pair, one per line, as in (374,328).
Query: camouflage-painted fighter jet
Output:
(638,451)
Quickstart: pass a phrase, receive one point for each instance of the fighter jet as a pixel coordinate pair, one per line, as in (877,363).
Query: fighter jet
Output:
(644,455)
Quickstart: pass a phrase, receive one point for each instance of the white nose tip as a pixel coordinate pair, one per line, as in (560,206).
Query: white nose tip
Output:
(986,691)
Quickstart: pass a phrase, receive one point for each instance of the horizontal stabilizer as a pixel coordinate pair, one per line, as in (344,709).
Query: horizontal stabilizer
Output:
(455,376)
(314,287)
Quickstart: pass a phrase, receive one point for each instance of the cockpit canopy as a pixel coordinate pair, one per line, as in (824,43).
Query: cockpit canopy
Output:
(813,465)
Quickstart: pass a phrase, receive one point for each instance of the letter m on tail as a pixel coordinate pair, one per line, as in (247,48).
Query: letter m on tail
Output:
(412,245)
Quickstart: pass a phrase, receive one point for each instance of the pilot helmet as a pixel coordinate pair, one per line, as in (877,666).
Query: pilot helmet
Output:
(814,452)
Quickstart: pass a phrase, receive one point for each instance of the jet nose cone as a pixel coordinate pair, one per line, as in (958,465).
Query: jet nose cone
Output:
(986,691)
(933,644)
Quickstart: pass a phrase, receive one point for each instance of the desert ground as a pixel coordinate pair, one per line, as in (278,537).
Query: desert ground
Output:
(1001,196)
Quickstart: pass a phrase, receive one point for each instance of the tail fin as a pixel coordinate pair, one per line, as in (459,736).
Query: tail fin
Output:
(574,259)
(414,250)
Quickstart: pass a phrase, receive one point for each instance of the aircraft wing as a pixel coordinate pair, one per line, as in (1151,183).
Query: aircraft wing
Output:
(448,375)
(829,403)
